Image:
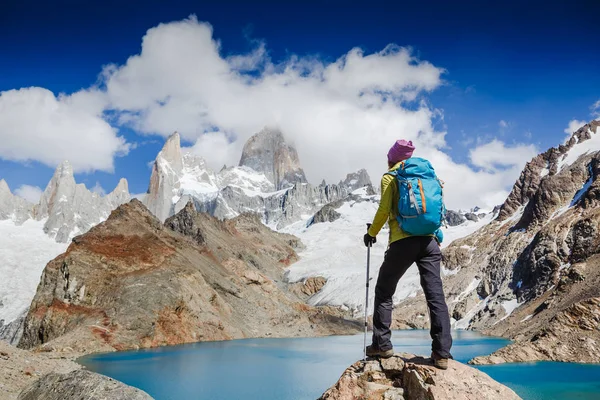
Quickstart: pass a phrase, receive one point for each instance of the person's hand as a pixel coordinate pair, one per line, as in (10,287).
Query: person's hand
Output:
(369,240)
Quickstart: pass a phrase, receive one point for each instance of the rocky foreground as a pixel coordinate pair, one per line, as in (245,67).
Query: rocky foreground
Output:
(27,375)
(406,376)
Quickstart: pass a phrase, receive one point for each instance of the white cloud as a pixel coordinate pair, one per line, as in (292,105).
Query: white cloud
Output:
(573,126)
(36,125)
(497,156)
(341,115)
(30,193)
(596,109)
(503,124)
(98,189)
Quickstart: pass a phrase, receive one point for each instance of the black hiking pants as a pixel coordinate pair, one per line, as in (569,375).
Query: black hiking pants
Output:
(401,254)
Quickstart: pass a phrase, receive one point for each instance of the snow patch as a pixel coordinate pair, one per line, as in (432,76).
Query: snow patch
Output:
(586,186)
(580,149)
(527,318)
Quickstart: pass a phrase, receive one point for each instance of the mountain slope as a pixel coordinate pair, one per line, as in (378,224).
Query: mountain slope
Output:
(133,282)
(532,274)
(24,252)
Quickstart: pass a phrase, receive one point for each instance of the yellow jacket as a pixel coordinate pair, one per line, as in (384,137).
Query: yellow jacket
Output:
(387,210)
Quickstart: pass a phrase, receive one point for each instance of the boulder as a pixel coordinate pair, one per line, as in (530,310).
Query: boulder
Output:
(80,385)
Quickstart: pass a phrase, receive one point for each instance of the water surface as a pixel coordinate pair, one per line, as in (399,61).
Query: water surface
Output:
(296,369)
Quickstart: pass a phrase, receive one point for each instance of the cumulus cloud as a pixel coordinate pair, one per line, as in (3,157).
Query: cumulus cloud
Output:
(496,156)
(573,126)
(36,125)
(341,115)
(30,193)
(596,109)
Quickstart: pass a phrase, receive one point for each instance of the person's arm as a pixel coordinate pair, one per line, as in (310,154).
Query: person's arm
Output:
(385,205)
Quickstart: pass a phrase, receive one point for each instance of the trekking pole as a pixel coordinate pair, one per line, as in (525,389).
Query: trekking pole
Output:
(367,295)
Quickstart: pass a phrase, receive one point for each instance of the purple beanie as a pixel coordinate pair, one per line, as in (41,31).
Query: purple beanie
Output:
(400,151)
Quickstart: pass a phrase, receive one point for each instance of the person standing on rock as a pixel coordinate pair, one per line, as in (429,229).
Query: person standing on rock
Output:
(406,248)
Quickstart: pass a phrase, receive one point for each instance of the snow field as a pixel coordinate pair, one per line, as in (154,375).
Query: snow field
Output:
(335,251)
(24,250)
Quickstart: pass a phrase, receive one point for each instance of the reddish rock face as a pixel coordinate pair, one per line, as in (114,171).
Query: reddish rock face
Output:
(133,282)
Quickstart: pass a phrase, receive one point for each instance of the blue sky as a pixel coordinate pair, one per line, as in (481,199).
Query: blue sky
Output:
(515,72)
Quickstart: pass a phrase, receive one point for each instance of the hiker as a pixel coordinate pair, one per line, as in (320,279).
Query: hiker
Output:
(405,248)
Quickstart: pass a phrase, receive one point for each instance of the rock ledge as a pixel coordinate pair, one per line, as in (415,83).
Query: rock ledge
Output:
(406,376)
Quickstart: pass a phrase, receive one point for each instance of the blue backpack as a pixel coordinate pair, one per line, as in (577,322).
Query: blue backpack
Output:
(421,209)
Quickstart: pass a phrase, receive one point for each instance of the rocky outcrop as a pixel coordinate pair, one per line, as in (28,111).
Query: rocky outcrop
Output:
(309,287)
(71,209)
(132,282)
(21,368)
(454,218)
(405,376)
(326,214)
(12,331)
(13,207)
(267,152)
(80,384)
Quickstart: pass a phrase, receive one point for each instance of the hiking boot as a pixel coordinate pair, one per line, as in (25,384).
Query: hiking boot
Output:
(439,361)
(373,351)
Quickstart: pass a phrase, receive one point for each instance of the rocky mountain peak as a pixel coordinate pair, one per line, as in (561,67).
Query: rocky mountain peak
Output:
(164,181)
(357,179)
(64,169)
(583,141)
(70,208)
(171,152)
(12,206)
(60,188)
(268,152)
(120,194)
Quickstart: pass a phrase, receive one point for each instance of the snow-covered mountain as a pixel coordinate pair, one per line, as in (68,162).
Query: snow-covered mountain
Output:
(32,235)
(70,209)
(66,208)
(269,181)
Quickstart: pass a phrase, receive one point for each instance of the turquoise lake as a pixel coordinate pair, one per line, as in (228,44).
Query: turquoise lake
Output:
(297,369)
